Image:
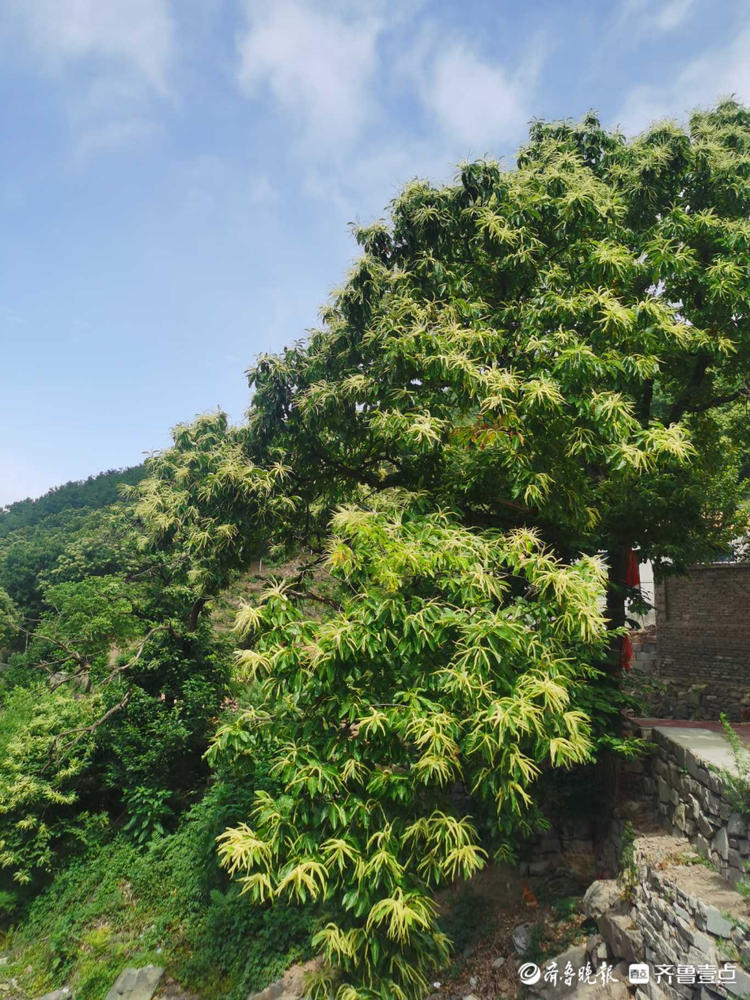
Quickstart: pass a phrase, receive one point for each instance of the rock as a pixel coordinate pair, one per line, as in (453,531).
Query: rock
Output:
(734,860)
(61,994)
(596,950)
(741,986)
(275,991)
(704,944)
(541,867)
(498,962)
(656,993)
(736,826)
(602,895)
(522,938)
(290,986)
(716,924)
(623,938)
(706,828)
(136,984)
(720,843)
(679,818)
(550,844)
(563,881)
(701,844)
(170,990)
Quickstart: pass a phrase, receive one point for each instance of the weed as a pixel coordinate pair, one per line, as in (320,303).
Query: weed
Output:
(628,877)
(736,781)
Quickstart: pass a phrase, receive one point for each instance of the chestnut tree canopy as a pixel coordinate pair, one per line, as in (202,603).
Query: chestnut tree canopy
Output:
(524,369)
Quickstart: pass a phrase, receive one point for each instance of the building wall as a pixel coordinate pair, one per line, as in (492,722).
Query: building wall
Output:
(703,636)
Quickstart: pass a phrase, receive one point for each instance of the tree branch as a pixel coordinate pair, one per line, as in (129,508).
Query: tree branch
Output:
(680,405)
(83,730)
(132,662)
(729,397)
(309,596)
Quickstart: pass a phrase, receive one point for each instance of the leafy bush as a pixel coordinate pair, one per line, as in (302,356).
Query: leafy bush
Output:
(147,808)
(45,758)
(406,724)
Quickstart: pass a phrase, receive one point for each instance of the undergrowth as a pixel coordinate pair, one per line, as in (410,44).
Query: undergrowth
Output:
(169,904)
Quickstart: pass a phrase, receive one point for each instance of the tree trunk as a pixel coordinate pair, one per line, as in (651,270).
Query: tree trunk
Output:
(617,563)
(195,613)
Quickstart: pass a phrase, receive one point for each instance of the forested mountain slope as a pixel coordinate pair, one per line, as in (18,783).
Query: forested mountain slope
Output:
(97,491)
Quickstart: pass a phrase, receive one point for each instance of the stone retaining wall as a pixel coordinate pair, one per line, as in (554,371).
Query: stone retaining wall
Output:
(690,801)
(672,925)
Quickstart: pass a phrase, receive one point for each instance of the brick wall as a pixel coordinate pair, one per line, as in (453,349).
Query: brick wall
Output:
(703,637)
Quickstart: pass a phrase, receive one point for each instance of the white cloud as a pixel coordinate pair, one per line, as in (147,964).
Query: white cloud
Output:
(110,136)
(644,17)
(261,191)
(714,74)
(387,79)
(475,102)
(317,65)
(114,58)
(137,34)
(673,14)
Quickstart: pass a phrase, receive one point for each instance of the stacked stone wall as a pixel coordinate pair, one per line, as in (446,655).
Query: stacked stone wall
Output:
(675,928)
(690,800)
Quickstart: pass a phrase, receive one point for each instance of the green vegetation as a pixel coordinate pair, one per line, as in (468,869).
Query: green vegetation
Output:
(414,676)
(89,494)
(628,877)
(525,370)
(736,780)
(120,905)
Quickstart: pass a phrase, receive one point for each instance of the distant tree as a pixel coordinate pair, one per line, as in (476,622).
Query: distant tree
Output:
(110,684)
(10,619)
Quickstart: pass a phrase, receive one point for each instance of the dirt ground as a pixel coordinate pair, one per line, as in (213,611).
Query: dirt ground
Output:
(484,913)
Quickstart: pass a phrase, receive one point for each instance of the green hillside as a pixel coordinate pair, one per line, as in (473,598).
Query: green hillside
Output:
(93,493)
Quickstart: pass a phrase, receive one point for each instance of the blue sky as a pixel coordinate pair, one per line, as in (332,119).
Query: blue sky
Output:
(177,176)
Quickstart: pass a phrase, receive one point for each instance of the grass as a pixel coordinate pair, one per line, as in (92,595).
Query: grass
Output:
(169,904)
